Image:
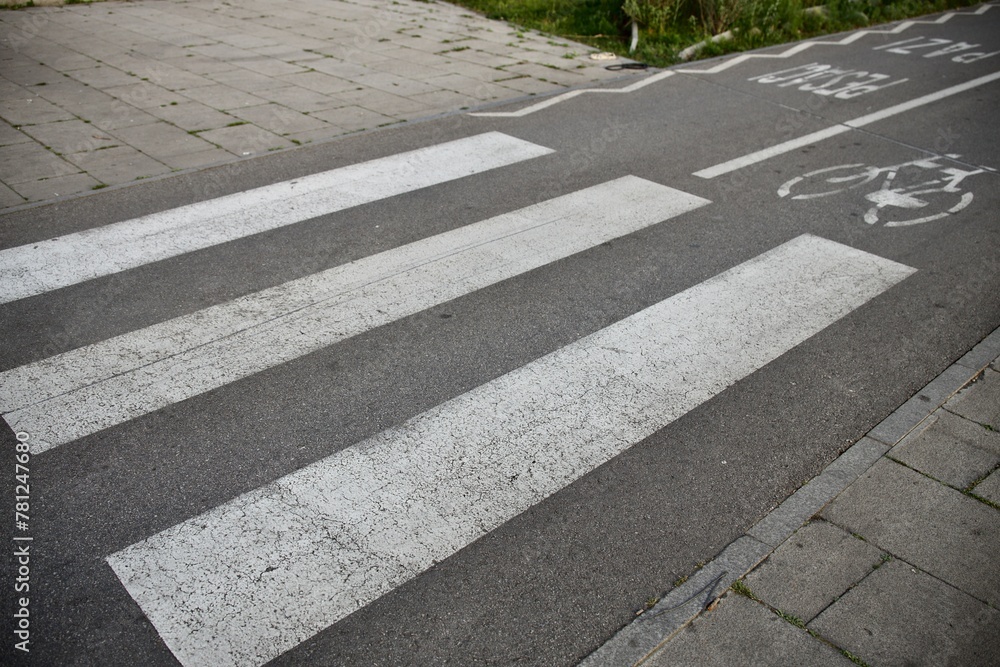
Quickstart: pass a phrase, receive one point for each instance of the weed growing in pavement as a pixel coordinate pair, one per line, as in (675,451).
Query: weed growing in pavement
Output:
(791,618)
(853,658)
(740,588)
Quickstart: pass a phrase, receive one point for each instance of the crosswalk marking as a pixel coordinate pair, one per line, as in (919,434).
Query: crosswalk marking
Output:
(37,268)
(249,580)
(85,390)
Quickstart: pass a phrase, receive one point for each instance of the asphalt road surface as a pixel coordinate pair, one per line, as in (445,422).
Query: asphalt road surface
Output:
(473,390)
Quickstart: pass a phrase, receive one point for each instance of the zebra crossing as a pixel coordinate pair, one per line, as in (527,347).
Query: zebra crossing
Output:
(252,578)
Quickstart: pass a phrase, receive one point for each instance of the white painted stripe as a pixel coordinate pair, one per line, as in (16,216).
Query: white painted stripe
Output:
(767,153)
(82,391)
(793,144)
(538,106)
(37,268)
(252,578)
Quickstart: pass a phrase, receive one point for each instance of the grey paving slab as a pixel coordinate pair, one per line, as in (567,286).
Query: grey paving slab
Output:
(319,82)
(204,158)
(938,529)
(146,95)
(989,488)
(22,163)
(199,64)
(473,88)
(951,449)
(341,69)
(9,135)
(59,186)
(742,632)
(122,164)
(328,132)
(102,76)
(409,69)
(123,115)
(561,76)
(32,74)
(271,66)
(222,97)
(160,50)
(354,118)
(301,99)
(279,119)
(393,84)
(987,351)
(812,568)
(385,103)
(162,140)
(245,139)
(191,116)
(288,53)
(9,197)
(527,85)
(445,99)
(900,615)
(73,96)
(245,80)
(31,110)
(980,401)
(70,136)
(175,78)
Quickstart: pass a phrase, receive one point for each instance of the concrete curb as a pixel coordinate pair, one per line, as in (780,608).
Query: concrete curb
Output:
(638,640)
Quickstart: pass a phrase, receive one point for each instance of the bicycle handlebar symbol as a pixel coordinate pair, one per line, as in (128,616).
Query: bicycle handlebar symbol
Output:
(892,203)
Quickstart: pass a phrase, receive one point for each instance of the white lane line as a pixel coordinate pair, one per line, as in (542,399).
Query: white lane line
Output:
(82,391)
(632,87)
(36,268)
(793,144)
(252,578)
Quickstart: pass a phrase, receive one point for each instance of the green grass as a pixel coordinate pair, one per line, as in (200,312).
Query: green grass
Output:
(668,26)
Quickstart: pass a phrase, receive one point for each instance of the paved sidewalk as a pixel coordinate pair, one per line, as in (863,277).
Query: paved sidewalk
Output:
(889,557)
(111,92)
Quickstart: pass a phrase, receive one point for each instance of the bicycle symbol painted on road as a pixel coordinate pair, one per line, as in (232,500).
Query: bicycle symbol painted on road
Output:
(895,200)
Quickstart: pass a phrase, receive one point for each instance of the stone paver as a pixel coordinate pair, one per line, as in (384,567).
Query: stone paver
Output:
(70,136)
(902,616)
(20,163)
(9,197)
(938,529)
(59,186)
(814,567)
(989,488)
(193,116)
(309,70)
(952,449)
(980,401)
(245,139)
(121,164)
(741,632)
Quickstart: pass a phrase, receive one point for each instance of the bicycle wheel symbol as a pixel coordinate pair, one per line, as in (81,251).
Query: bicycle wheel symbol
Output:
(893,203)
